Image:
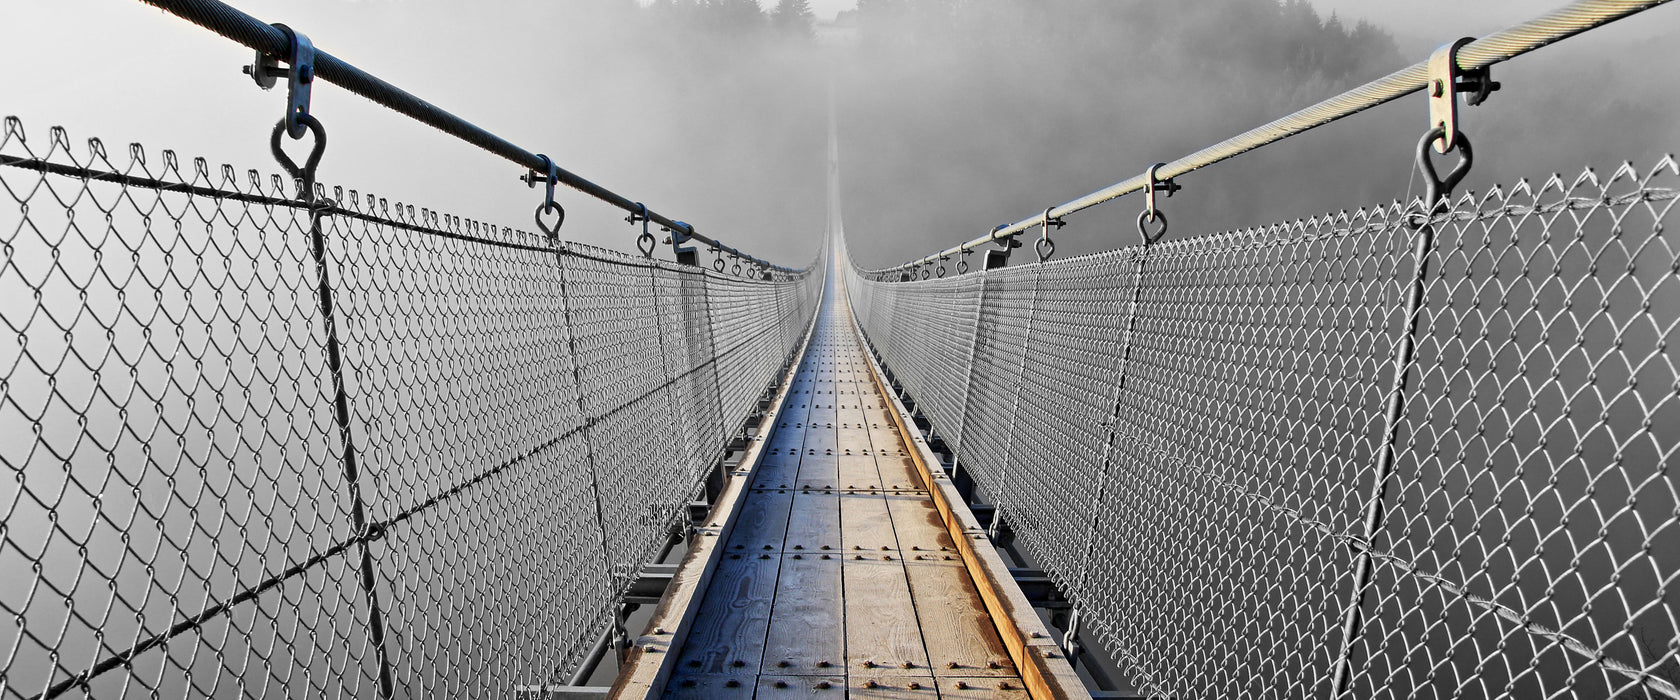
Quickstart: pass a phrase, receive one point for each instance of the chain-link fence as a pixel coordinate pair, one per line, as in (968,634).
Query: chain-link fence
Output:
(1186,436)
(261,448)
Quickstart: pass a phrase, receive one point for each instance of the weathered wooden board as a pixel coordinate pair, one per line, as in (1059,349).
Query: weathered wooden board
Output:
(818,687)
(866,525)
(899,471)
(807,623)
(917,524)
(989,688)
(763,523)
(858,472)
(708,687)
(882,635)
(814,523)
(734,620)
(961,638)
(883,687)
(818,472)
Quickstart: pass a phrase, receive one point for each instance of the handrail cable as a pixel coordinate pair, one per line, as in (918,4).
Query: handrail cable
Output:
(223,19)
(1494,48)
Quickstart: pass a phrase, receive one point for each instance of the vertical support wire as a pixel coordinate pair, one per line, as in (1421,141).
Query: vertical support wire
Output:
(1015,405)
(968,378)
(1116,397)
(585,422)
(1437,202)
(346,438)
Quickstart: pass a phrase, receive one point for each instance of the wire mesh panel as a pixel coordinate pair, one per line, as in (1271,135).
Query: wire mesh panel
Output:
(342,448)
(1190,444)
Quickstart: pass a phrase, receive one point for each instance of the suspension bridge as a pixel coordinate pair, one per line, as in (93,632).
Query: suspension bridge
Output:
(273,438)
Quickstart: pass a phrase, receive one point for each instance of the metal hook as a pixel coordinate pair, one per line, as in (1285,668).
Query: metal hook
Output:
(305,176)
(962,262)
(1437,188)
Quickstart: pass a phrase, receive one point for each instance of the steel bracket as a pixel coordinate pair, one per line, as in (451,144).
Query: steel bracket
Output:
(1446,80)
(681,234)
(299,74)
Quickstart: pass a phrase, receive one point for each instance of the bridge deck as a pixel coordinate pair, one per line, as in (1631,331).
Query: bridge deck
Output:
(840,577)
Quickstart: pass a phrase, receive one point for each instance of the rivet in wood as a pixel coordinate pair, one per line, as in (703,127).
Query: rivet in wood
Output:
(823,664)
(962,686)
(694,664)
(869,664)
(953,664)
(737,663)
(1004,685)
(915,686)
(781,664)
(688,683)
(993,665)
(908,664)
(732,684)
(651,649)
(823,685)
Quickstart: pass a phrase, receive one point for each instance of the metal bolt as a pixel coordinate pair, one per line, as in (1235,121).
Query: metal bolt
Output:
(781,684)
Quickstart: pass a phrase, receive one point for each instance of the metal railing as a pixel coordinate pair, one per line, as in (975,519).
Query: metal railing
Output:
(278,44)
(1482,53)
(1190,438)
(263,442)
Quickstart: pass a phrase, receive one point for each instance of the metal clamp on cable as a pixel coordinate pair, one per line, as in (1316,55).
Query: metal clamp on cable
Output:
(549,179)
(1446,80)
(1150,213)
(300,77)
(299,74)
(1046,247)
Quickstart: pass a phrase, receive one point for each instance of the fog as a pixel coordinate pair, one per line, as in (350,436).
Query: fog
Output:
(955,116)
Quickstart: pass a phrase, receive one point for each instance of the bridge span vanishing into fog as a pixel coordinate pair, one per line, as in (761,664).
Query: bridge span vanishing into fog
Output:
(271,438)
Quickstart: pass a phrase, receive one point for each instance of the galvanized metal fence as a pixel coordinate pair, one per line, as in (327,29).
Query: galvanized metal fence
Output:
(261,447)
(1187,437)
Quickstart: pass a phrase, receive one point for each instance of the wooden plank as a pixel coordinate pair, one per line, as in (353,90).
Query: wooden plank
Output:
(764,521)
(900,470)
(822,438)
(858,472)
(807,623)
(729,633)
(814,522)
(817,472)
(866,525)
(962,639)
(778,687)
(882,635)
(998,688)
(882,687)
(918,524)
(705,687)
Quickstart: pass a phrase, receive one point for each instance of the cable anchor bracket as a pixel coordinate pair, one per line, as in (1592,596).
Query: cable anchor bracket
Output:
(1046,247)
(549,175)
(265,70)
(644,242)
(1446,80)
(1151,214)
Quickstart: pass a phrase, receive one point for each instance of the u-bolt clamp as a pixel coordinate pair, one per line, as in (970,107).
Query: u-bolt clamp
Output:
(299,74)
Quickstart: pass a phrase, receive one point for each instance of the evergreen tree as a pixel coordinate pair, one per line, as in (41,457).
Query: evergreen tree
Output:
(792,17)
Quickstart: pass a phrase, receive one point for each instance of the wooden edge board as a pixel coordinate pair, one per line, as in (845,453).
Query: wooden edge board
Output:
(649,663)
(1044,670)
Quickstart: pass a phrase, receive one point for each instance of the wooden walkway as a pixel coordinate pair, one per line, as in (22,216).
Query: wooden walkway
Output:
(840,578)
